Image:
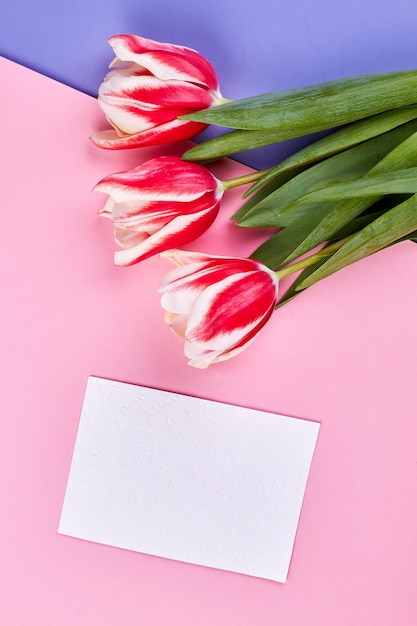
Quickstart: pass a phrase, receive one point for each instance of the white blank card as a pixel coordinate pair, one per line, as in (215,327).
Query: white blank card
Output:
(188,479)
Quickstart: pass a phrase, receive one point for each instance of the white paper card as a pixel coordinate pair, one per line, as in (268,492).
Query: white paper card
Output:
(188,479)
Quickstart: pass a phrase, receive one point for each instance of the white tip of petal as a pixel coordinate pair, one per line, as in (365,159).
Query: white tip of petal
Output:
(107,208)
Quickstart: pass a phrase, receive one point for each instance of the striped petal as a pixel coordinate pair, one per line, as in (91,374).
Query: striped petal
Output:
(163,179)
(107,208)
(155,215)
(177,130)
(137,103)
(150,92)
(180,301)
(185,257)
(227,311)
(147,223)
(201,358)
(178,324)
(197,272)
(125,69)
(128,238)
(179,231)
(218,304)
(182,286)
(167,61)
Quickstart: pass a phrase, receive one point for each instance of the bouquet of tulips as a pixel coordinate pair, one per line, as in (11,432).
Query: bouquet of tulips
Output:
(348,194)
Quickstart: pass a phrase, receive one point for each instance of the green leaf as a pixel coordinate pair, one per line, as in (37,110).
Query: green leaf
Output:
(340,140)
(274,251)
(231,143)
(395,224)
(278,249)
(314,108)
(407,237)
(280,208)
(342,212)
(354,225)
(267,189)
(397,182)
(296,287)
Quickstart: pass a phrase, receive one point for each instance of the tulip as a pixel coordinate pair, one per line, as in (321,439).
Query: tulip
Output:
(217,304)
(149,86)
(164,203)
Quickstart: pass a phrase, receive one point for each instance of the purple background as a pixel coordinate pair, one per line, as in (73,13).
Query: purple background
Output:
(255,46)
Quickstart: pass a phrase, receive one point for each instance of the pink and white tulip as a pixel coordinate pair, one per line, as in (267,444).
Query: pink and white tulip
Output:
(161,204)
(149,86)
(217,304)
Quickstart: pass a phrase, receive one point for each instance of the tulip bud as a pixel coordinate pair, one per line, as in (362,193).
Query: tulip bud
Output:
(149,86)
(161,204)
(217,304)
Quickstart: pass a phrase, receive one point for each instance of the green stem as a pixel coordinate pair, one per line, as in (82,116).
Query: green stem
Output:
(310,260)
(244,180)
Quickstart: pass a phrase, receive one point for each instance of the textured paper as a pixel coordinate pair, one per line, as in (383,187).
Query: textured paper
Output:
(188,479)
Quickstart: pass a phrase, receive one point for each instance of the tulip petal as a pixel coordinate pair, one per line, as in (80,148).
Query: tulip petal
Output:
(149,93)
(201,357)
(185,257)
(225,302)
(171,60)
(148,224)
(136,217)
(188,257)
(210,269)
(155,215)
(180,301)
(178,324)
(136,103)
(179,231)
(173,66)
(125,69)
(107,208)
(163,179)
(127,239)
(177,130)
(186,286)
(182,285)
(227,311)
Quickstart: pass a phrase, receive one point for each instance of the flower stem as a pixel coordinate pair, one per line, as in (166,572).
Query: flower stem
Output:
(244,180)
(310,260)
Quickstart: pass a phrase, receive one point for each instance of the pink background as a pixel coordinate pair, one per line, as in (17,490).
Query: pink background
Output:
(343,354)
